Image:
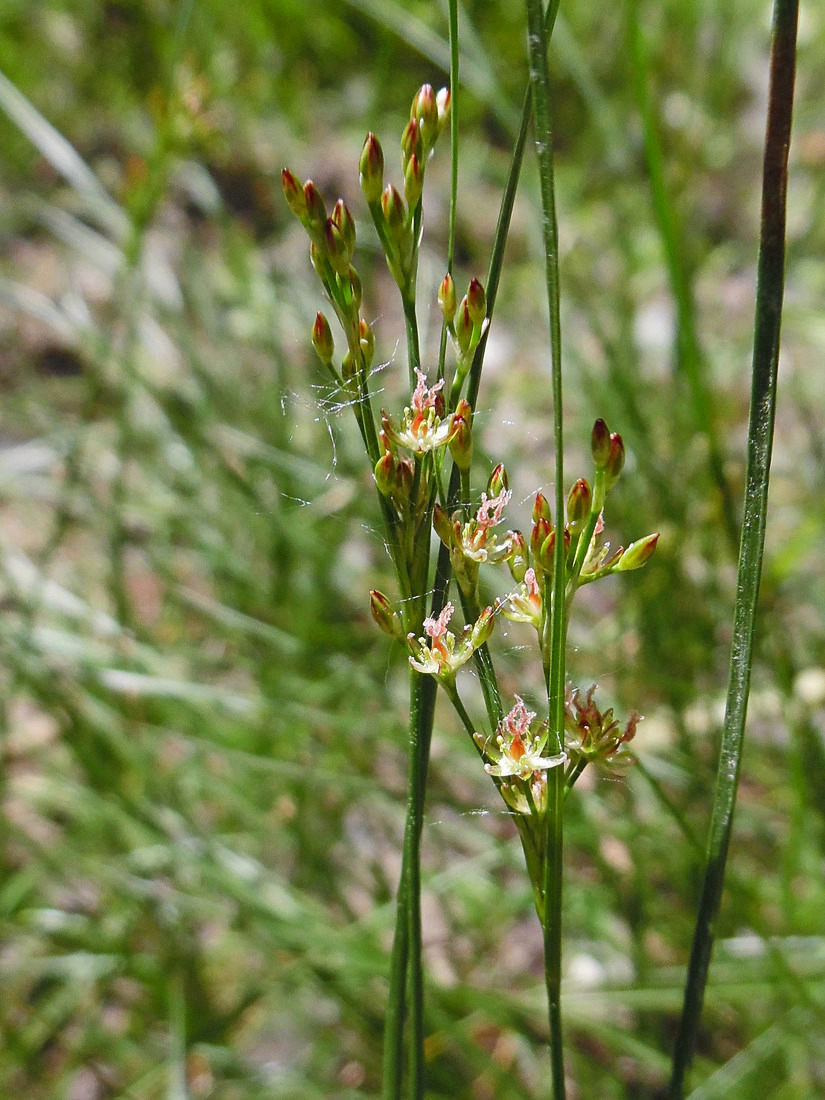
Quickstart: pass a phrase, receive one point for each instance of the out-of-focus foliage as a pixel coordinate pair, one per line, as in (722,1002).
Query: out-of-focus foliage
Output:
(203,746)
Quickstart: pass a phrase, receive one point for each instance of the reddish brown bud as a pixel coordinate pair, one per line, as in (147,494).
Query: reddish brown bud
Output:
(476,302)
(336,247)
(425,110)
(387,619)
(600,444)
(385,475)
(615,461)
(483,627)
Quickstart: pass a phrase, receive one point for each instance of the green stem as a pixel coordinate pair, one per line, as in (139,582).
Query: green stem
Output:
(769,294)
(540,83)
(413,352)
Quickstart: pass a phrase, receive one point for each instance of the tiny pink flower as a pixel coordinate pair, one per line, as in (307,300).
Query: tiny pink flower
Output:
(521,746)
(524,606)
(421,428)
(440,653)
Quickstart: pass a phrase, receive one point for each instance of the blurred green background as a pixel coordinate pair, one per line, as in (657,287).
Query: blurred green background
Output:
(203,734)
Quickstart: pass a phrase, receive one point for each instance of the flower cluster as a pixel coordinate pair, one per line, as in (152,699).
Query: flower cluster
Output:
(444,654)
(594,736)
(518,760)
(474,543)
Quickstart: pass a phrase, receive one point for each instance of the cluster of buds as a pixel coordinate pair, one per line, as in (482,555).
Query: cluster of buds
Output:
(593,736)
(518,760)
(466,323)
(474,543)
(396,217)
(440,653)
(332,245)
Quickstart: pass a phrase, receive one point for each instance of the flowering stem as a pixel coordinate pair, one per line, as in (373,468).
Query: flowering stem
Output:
(540,83)
(769,296)
(413,352)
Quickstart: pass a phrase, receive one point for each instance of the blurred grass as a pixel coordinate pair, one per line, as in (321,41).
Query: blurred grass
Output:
(203,735)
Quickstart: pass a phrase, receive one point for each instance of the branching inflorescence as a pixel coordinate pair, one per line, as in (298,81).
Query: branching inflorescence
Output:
(409,454)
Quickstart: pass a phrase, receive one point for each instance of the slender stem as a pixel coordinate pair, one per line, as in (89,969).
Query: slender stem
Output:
(769,294)
(413,352)
(540,83)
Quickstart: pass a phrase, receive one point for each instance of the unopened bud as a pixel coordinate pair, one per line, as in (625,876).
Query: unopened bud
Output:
(476,302)
(411,143)
(497,481)
(637,553)
(518,560)
(443,102)
(463,326)
(322,339)
(355,288)
(316,211)
(346,223)
(372,169)
(541,509)
(336,247)
(366,338)
(425,112)
(548,550)
(600,444)
(483,627)
(541,529)
(385,475)
(294,194)
(446,298)
(615,461)
(413,181)
(461,442)
(393,207)
(387,619)
(578,506)
(443,525)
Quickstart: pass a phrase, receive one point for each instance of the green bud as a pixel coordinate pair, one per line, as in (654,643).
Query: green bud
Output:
(548,550)
(394,210)
(600,444)
(322,339)
(294,194)
(637,554)
(483,627)
(476,302)
(366,338)
(316,211)
(355,288)
(578,506)
(446,298)
(443,102)
(411,143)
(464,327)
(497,481)
(541,529)
(518,561)
(541,509)
(461,442)
(443,525)
(387,619)
(385,473)
(425,112)
(413,181)
(372,169)
(346,223)
(336,247)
